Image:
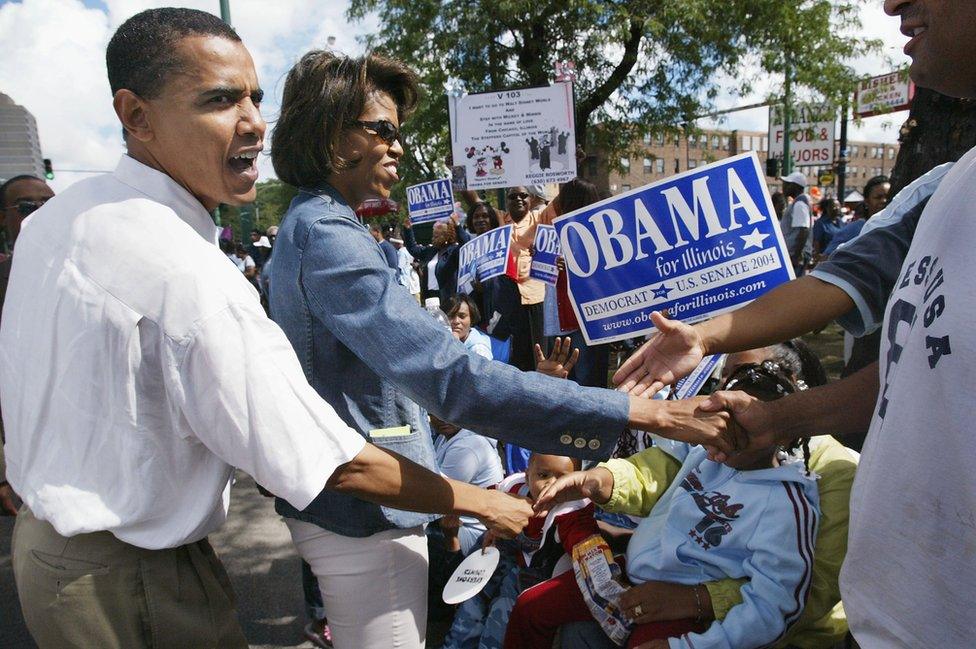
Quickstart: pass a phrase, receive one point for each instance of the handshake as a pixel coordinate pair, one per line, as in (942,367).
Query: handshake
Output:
(725,422)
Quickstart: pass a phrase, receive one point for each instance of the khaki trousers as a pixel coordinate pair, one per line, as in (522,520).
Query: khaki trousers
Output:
(92,590)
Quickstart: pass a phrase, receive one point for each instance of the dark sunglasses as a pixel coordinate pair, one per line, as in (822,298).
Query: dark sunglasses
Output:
(26,208)
(521,195)
(384,129)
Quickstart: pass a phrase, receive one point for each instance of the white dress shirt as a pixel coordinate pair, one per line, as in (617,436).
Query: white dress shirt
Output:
(132,381)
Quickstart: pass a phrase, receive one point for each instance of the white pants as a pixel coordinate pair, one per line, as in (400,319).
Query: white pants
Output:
(374,588)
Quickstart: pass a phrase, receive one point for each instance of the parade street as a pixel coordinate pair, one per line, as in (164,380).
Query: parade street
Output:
(257,552)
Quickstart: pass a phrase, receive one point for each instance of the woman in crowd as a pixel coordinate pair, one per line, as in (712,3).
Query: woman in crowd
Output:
(826,226)
(440,258)
(463,315)
(497,298)
(382,362)
(875,198)
(482,217)
(560,319)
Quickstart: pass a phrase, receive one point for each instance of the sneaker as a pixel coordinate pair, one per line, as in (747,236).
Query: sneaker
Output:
(322,640)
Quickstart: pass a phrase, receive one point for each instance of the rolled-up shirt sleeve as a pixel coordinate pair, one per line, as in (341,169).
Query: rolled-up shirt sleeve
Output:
(867,267)
(242,392)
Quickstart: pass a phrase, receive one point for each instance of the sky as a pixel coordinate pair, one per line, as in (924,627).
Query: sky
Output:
(53,63)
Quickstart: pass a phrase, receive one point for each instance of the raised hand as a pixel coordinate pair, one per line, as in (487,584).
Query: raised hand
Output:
(670,355)
(505,515)
(560,360)
(595,484)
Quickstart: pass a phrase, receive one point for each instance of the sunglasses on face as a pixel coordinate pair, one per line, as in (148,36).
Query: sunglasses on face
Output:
(521,195)
(384,129)
(24,208)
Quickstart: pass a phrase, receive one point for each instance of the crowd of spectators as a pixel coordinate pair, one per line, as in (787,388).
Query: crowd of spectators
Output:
(395,447)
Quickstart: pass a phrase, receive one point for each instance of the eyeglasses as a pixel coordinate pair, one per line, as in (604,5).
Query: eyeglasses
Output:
(25,207)
(384,129)
(521,195)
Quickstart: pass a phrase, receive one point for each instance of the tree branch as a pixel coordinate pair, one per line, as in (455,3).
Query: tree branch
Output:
(602,93)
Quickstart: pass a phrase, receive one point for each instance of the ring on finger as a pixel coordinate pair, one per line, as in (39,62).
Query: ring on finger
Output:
(638,611)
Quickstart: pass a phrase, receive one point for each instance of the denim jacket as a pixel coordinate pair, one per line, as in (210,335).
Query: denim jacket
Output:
(382,362)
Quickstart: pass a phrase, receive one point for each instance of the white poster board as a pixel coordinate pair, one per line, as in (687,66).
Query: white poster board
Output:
(811,134)
(508,138)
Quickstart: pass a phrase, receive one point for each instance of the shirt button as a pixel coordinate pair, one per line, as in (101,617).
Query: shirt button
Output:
(594,444)
(566,439)
(579,442)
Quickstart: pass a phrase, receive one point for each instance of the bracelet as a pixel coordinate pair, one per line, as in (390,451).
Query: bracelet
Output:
(698,605)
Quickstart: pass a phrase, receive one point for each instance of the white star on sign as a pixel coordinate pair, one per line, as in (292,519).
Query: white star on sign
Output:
(753,240)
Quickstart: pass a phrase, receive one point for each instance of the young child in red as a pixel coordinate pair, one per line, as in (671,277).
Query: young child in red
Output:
(528,559)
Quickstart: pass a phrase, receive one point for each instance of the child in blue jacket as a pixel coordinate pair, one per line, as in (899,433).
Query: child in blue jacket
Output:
(754,518)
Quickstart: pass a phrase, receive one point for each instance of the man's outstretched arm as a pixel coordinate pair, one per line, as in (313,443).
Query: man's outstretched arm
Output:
(385,478)
(840,408)
(787,311)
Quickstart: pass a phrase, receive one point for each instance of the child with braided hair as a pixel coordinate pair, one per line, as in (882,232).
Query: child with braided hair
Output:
(753,518)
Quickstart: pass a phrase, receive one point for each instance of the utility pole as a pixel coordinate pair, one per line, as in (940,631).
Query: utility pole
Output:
(787,87)
(842,162)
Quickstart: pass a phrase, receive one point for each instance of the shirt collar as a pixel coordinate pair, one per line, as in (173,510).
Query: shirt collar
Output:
(325,189)
(163,189)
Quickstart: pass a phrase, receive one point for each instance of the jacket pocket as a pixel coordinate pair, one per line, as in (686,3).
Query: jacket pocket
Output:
(417,447)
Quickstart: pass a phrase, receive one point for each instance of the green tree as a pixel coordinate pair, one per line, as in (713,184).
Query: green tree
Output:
(272,202)
(643,65)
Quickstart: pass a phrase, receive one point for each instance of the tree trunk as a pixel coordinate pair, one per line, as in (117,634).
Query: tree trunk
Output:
(938,129)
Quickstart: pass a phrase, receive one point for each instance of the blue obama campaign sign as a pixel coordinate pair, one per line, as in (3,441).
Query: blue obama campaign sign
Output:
(484,257)
(546,245)
(430,201)
(699,243)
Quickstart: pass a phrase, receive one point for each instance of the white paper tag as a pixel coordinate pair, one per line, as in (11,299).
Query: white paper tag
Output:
(471,576)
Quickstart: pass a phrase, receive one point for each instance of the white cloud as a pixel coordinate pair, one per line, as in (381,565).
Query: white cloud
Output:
(54,65)
(54,50)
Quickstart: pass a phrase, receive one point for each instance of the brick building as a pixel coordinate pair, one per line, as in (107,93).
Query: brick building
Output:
(663,155)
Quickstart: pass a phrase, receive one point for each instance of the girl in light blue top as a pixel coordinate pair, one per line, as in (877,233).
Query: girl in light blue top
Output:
(754,518)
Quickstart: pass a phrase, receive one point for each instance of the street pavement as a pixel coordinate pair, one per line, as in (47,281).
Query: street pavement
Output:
(257,552)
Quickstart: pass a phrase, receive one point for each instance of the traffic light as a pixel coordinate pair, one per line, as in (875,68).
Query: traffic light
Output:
(48,169)
(772,167)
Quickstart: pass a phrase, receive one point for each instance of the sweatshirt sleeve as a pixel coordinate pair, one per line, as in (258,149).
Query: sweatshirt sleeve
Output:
(725,594)
(639,480)
(779,570)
